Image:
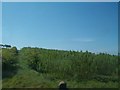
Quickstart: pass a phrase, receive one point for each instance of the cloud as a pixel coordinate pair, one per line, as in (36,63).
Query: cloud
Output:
(83,40)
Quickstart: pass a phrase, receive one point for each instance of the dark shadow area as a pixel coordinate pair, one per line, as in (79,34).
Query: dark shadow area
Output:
(8,72)
(9,61)
(58,89)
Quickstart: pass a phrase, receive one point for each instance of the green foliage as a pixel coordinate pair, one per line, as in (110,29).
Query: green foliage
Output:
(46,67)
(70,64)
(9,61)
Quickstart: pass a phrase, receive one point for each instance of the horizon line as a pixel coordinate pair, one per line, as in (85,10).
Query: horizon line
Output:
(104,52)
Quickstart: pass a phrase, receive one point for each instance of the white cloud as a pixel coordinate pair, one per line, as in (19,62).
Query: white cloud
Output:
(83,40)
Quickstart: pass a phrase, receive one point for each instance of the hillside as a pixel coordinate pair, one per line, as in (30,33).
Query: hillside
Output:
(45,68)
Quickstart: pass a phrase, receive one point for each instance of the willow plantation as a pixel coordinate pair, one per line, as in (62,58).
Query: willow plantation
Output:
(44,68)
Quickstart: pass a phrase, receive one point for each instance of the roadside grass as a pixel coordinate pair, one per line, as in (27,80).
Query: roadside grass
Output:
(30,79)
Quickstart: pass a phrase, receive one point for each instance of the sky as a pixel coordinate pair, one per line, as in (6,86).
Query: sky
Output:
(62,25)
(60,0)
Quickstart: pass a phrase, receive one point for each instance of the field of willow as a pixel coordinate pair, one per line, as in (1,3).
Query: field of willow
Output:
(44,68)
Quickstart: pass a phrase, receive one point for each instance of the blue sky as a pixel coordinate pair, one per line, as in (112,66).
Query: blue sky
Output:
(68,26)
